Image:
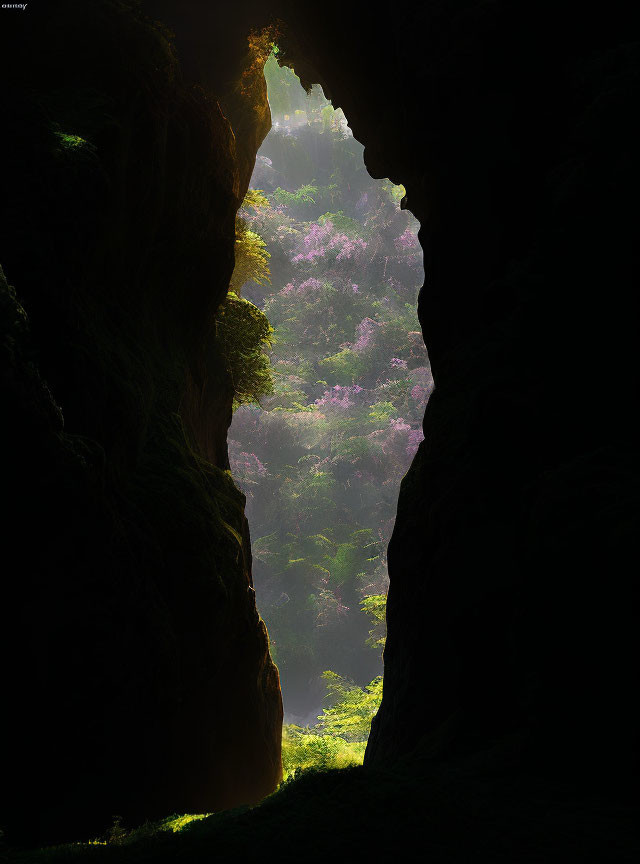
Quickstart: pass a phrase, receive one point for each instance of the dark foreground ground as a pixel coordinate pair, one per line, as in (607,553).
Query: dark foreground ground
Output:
(459,813)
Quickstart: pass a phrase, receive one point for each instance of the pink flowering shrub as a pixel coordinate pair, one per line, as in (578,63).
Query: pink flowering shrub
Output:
(338,396)
(407,240)
(414,438)
(247,467)
(322,240)
(365,331)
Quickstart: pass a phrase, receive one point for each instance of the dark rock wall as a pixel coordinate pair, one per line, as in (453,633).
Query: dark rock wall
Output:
(137,671)
(513,127)
(512,609)
(137,678)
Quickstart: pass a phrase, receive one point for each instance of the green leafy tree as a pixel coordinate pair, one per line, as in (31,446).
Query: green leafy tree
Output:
(303,750)
(244,334)
(353,709)
(251,254)
(303,195)
(375,605)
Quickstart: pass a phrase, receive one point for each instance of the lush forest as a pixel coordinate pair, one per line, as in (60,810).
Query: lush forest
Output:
(331,378)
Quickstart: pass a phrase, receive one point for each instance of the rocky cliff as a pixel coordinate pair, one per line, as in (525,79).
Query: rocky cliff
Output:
(511,609)
(138,674)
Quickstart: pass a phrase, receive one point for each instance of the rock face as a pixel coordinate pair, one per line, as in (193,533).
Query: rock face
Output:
(511,610)
(511,613)
(137,674)
(137,678)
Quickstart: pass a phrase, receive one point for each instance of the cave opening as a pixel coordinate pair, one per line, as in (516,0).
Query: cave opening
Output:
(329,418)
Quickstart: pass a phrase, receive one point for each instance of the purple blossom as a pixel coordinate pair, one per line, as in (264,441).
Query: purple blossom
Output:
(321,238)
(309,285)
(311,254)
(338,396)
(421,393)
(399,425)
(413,440)
(312,242)
(247,467)
(407,240)
(365,330)
(351,248)
(397,363)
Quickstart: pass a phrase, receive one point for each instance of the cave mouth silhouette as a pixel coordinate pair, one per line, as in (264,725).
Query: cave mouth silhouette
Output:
(321,458)
(140,681)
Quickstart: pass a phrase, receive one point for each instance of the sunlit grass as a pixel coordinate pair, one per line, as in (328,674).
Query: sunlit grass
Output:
(303,750)
(119,836)
(71,141)
(177,823)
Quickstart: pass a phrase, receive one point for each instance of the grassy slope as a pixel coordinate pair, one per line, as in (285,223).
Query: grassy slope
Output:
(457,814)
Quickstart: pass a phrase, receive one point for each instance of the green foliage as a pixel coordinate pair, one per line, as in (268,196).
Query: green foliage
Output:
(332,118)
(287,396)
(327,116)
(71,142)
(346,365)
(375,605)
(343,224)
(339,738)
(243,333)
(303,749)
(287,96)
(252,258)
(395,192)
(251,254)
(303,195)
(256,199)
(353,709)
(342,565)
(381,412)
(118,835)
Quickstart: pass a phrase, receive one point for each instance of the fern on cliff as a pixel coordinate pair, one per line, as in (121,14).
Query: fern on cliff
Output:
(244,333)
(252,257)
